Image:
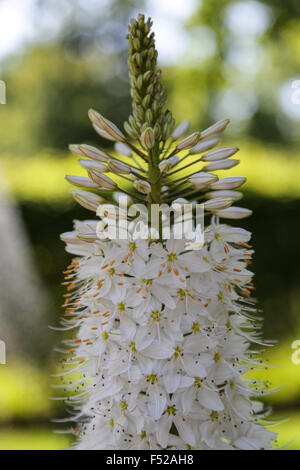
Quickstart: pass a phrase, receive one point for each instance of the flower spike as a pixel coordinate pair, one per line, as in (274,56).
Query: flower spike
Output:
(161,321)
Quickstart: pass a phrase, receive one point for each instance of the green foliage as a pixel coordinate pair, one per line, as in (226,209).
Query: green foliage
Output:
(32,438)
(48,108)
(24,392)
(49,90)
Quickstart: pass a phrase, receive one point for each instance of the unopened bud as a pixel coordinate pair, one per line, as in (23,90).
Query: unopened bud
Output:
(181,130)
(189,141)
(102,181)
(231,182)
(234,213)
(123,149)
(70,237)
(234,195)
(147,138)
(217,204)
(166,165)
(76,149)
(93,153)
(119,167)
(142,186)
(215,129)
(92,164)
(107,126)
(221,165)
(80,181)
(205,145)
(219,154)
(88,200)
(202,179)
(102,133)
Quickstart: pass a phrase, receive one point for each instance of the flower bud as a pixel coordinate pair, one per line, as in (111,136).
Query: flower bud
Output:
(189,141)
(233,213)
(107,126)
(178,204)
(234,195)
(88,200)
(102,181)
(221,165)
(102,133)
(147,138)
(123,149)
(166,165)
(230,182)
(119,167)
(215,129)
(218,203)
(202,179)
(70,237)
(91,164)
(93,153)
(142,186)
(204,145)
(181,130)
(80,181)
(219,154)
(75,148)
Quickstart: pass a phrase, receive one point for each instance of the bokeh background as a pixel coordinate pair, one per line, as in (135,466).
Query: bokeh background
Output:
(220,58)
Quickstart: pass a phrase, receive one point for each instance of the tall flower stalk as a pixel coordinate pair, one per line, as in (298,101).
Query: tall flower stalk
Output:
(163,335)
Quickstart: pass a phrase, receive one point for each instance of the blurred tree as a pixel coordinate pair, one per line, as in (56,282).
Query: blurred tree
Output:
(232,66)
(239,60)
(52,86)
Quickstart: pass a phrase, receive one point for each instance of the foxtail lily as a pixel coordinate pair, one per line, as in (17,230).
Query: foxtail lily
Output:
(163,327)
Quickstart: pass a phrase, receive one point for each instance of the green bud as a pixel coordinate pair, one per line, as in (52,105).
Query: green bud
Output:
(149,115)
(148,96)
(147,138)
(139,82)
(136,44)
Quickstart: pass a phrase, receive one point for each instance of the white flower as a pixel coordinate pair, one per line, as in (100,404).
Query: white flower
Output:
(162,342)
(160,331)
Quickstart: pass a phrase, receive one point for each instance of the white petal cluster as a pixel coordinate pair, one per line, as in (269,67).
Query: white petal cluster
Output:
(163,338)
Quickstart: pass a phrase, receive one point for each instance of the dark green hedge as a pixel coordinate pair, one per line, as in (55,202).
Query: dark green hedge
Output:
(275,226)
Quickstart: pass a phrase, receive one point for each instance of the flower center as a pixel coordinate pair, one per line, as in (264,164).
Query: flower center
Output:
(152,378)
(156,315)
(172,257)
(220,296)
(132,246)
(197,382)
(171,410)
(196,327)
(124,405)
(177,352)
(217,357)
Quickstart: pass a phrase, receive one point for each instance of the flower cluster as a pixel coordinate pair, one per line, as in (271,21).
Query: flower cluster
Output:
(164,336)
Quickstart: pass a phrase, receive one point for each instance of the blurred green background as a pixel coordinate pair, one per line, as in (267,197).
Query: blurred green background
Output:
(220,58)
